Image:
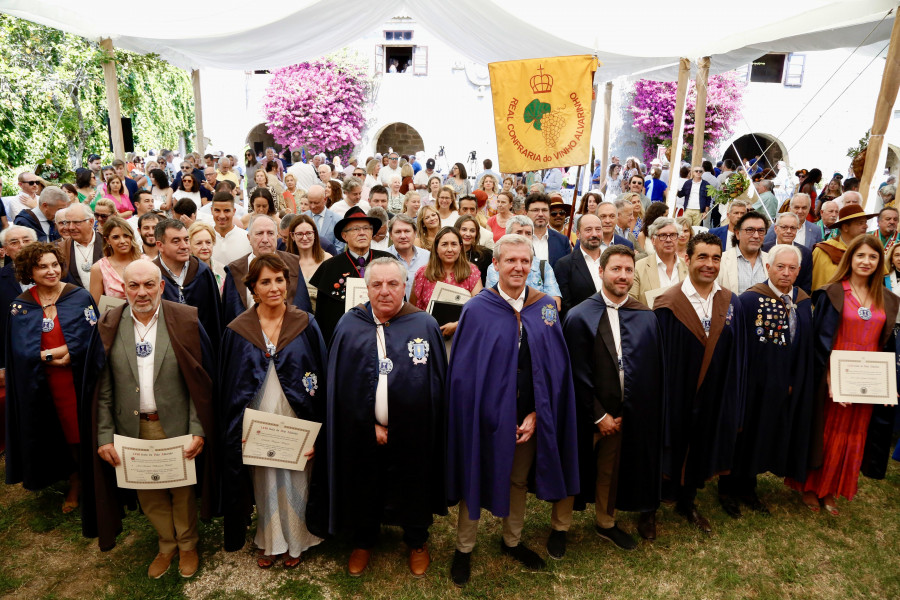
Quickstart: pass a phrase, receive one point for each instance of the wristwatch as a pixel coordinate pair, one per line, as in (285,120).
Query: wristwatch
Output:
(48,357)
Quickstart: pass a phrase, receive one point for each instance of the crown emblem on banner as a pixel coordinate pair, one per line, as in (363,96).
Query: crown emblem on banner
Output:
(541,83)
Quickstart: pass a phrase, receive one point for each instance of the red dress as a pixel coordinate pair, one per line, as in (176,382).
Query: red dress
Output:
(845,427)
(60,381)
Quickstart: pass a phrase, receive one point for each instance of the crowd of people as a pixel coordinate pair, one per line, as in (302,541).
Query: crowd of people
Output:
(608,353)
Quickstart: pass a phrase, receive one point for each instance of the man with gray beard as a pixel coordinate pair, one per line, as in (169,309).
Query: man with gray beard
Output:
(578,273)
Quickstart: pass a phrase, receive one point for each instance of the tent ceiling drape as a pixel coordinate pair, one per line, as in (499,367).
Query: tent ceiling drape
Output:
(231,35)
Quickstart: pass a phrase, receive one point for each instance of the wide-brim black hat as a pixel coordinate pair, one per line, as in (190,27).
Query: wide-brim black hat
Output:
(355,214)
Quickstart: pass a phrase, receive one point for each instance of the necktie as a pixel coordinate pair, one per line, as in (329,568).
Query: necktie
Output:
(792,315)
(361,261)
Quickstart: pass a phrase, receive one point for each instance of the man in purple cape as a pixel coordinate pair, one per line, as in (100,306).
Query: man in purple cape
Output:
(511,422)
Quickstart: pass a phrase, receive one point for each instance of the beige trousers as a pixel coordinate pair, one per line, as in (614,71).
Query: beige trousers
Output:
(694,215)
(172,512)
(560,515)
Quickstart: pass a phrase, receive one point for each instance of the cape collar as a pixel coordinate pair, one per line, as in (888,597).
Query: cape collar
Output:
(247,326)
(406,309)
(766,290)
(532,296)
(26,296)
(193,268)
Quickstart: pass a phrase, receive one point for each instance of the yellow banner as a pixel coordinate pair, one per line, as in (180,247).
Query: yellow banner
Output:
(542,112)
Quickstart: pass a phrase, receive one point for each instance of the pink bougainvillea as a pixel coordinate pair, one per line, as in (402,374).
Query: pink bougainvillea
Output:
(319,105)
(653,110)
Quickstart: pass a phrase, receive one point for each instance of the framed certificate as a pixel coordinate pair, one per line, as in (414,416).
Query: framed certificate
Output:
(448,294)
(863,377)
(108,302)
(154,464)
(357,293)
(276,441)
(652,295)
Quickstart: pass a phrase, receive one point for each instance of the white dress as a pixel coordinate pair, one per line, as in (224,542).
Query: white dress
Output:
(281,494)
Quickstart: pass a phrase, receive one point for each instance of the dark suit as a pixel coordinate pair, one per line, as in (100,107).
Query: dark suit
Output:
(574,279)
(9,291)
(557,246)
(804,277)
(685,193)
(70,269)
(28,218)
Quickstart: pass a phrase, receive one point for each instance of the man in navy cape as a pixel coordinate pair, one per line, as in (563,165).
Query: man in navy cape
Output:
(619,387)
(262,231)
(511,411)
(188,280)
(779,411)
(102,498)
(705,350)
(387,419)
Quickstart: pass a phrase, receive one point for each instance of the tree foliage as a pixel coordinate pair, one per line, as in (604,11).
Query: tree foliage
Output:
(653,109)
(319,105)
(53,99)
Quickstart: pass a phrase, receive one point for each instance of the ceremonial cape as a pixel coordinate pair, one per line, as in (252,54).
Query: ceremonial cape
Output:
(234,293)
(201,291)
(481,396)
(413,481)
(705,387)
(779,410)
(102,499)
(829,306)
(300,364)
(37,454)
(637,474)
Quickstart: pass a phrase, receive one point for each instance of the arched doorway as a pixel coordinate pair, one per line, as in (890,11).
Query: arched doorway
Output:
(403,138)
(892,164)
(259,139)
(768,148)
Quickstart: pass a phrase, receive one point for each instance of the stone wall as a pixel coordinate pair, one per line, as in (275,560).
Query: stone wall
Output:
(401,137)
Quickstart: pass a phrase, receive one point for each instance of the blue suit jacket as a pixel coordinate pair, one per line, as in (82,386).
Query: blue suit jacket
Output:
(704,193)
(27,218)
(813,235)
(557,245)
(326,231)
(722,234)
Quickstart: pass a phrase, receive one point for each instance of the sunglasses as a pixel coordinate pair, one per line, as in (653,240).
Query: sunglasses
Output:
(558,213)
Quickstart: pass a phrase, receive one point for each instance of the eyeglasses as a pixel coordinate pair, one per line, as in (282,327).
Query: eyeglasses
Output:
(366,228)
(752,231)
(788,228)
(666,236)
(67,223)
(362,174)
(305,234)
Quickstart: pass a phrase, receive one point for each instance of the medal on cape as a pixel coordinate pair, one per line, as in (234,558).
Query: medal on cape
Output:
(864,313)
(181,295)
(621,365)
(46,325)
(385,366)
(143,349)
(706,324)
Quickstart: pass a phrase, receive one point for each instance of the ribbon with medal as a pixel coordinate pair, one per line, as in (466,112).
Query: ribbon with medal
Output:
(142,347)
(385,365)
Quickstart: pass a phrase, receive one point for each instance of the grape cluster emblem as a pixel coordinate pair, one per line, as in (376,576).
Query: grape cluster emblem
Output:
(541,115)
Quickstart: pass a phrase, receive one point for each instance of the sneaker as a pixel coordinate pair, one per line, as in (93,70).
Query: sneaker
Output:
(556,544)
(461,569)
(529,558)
(617,537)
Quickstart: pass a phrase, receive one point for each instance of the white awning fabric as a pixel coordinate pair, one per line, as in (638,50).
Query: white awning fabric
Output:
(639,43)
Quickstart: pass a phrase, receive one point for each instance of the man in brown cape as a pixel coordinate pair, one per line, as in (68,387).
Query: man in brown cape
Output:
(153,363)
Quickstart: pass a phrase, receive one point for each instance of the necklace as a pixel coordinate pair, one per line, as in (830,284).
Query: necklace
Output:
(271,347)
(47,323)
(385,365)
(706,321)
(85,260)
(864,313)
(142,348)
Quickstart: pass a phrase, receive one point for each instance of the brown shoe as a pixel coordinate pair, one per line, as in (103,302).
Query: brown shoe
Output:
(188,562)
(419,559)
(160,565)
(359,561)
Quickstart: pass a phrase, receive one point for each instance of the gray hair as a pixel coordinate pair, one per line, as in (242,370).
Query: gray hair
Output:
(619,204)
(257,217)
(768,184)
(350,184)
(738,203)
(782,216)
(888,190)
(379,213)
(32,234)
(798,195)
(402,218)
(53,195)
(827,202)
(518,220)
(661,222)
(395,177)
(385,260)
(86,211)
(778,249)
(60,215)
(512,239)
(286,220)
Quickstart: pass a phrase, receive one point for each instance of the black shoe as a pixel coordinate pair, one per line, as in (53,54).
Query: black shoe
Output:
(461,569)
(731,506)
(694,517)
(524,555)
(755,504)
(647,525)
(556,544)
(617,537)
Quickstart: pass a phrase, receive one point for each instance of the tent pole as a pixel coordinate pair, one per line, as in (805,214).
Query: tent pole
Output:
(887,95)
(112,99)
(684,73)
(198,111)
(700,112)
(574,203)
(604,150)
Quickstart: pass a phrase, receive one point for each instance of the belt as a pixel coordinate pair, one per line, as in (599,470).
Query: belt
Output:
(150,416)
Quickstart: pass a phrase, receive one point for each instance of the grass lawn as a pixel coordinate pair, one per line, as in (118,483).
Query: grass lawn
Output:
(792,554)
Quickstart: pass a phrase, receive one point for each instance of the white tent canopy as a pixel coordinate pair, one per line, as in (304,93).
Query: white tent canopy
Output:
(649,42)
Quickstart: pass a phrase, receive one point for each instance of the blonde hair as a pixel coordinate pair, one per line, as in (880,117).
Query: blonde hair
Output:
(198,226)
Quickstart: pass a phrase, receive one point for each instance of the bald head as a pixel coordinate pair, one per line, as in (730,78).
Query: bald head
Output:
(143,288)
(316,196)
(142,269)
(849,198)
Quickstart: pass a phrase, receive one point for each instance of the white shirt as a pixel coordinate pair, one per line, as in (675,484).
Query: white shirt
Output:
(422,177)
(664,279)
(340,208)
(593,267)
(451,220)
(16,205)
(250,302)
(204,213)
(382,245)
(541,246)
(145,364)
(612,311)
(801,234)
(381,390)
(385,174)
(702,307)
(694,200)
(84,254)
(231,247)
(517,303)
(194,196)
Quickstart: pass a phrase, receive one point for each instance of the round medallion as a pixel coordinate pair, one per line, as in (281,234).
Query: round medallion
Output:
(864,313)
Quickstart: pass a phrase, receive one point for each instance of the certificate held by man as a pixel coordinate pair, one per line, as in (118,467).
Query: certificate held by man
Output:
(276,441)
(154,464)
(863,377)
